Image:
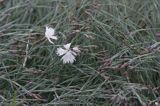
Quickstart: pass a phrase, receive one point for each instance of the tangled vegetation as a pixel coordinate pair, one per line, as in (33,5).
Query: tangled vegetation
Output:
(119,62)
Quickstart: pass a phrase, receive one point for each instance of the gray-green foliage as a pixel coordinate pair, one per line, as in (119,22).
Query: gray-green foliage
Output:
(119,61)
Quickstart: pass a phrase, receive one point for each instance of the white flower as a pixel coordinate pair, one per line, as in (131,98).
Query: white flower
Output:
(49,34)
(68,55)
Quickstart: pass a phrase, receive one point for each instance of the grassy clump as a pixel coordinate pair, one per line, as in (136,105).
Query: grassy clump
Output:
(118,64)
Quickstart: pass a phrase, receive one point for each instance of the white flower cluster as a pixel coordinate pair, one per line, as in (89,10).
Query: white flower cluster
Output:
(68,54)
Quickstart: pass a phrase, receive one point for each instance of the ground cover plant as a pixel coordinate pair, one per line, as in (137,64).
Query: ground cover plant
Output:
(118,58)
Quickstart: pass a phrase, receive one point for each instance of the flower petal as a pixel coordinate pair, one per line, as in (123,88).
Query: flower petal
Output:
(67,46)
(61,51)
(76,49)
(68,58)
(74,53)
(49,31)
(53,37)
